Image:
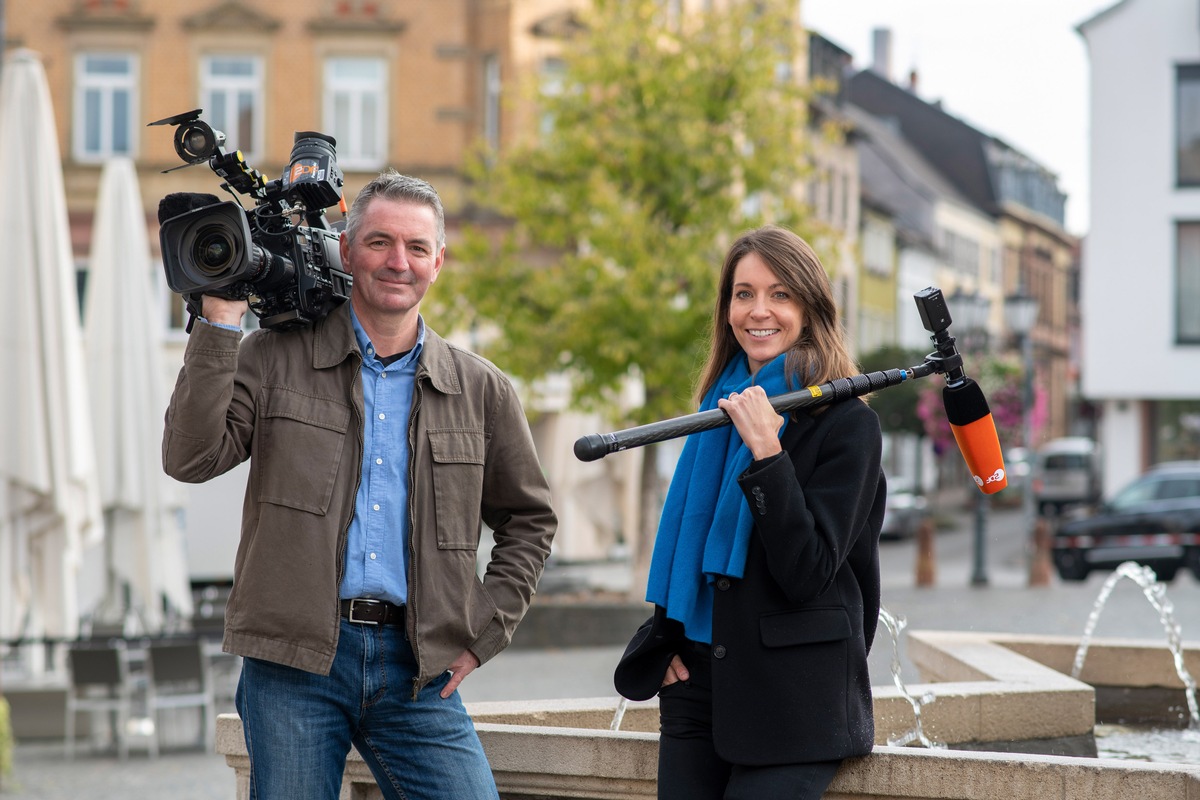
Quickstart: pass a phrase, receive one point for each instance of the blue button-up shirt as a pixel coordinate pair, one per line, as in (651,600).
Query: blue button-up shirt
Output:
(377,547)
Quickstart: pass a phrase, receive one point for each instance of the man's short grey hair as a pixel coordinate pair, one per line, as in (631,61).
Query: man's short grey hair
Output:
(391,185)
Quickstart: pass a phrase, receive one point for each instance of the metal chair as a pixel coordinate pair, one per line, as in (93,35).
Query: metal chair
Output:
(178,676)
(99,683)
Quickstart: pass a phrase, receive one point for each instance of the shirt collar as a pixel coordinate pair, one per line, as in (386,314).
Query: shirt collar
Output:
(368,349)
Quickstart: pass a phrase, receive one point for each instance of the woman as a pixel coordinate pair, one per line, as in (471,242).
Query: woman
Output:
(765,575)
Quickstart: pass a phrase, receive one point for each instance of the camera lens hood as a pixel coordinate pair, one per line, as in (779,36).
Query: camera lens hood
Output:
(207,249)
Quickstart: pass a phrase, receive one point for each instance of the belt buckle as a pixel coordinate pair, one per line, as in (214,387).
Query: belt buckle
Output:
(365,602)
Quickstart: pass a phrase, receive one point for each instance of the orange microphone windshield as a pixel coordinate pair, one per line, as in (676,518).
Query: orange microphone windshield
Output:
(975,432)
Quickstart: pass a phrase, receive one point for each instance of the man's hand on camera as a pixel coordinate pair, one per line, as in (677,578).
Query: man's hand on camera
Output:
(223,311)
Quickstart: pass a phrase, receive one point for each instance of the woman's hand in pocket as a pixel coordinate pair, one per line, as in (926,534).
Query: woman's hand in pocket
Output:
(676,672)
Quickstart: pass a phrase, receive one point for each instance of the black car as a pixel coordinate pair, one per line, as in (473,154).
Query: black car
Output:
(1155,521)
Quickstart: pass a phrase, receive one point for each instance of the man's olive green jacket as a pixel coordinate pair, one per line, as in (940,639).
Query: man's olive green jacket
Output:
(292,403)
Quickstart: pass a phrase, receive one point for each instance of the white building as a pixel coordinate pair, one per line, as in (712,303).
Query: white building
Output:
(1141,261)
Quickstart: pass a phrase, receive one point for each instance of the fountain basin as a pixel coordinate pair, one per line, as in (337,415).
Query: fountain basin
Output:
(994,692)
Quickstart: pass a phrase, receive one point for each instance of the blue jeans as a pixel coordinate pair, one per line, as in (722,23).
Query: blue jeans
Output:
(299,726)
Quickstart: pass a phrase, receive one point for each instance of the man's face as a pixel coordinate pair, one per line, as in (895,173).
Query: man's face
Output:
(394,259)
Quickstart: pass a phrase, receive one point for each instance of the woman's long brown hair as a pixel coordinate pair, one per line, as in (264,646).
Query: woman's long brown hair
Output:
(820,354)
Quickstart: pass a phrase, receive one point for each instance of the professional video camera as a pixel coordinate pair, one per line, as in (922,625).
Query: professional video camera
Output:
(291,274)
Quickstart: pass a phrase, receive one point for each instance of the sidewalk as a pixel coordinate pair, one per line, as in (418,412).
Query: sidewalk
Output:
(41,773)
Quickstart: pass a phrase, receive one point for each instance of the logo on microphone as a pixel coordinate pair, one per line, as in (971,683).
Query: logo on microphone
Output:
(995,477)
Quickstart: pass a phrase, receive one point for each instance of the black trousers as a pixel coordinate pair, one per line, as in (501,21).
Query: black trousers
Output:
(688,765)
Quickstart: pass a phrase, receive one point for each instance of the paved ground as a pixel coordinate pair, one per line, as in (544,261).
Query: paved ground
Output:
(1005,604)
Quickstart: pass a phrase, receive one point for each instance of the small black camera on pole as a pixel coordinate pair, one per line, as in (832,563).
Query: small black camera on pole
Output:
(290,273)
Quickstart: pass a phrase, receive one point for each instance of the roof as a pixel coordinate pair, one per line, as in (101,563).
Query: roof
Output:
(896,177)
(990,173)
(1104,12)
(949,145)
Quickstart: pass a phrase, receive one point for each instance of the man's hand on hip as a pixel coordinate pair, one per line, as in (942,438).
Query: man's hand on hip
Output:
(459,668)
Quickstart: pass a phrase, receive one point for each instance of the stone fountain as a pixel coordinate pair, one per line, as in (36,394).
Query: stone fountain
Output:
(997,715)
(1014,723)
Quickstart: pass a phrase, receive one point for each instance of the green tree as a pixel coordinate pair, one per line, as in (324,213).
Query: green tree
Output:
(665,141)
(667,138)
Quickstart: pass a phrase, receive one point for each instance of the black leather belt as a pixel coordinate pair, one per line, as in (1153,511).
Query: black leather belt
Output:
(372,612)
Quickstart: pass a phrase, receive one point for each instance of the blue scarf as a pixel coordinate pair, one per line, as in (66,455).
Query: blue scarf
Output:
(704,530)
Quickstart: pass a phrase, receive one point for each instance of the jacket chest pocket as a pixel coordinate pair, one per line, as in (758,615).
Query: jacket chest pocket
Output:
(298,452)
(458,457)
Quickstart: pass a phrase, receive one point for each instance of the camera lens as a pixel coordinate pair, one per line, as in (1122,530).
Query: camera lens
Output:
(212,251)
(197,142)
(209,248)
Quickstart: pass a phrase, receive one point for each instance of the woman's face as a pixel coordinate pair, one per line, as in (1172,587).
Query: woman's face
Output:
(766,319)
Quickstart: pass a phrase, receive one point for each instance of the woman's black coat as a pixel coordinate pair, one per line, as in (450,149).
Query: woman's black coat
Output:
(790,639)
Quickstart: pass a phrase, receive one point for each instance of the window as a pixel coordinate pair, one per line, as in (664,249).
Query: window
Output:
(1187,125)
(819,193)
(552,80)
(1136,494)
(877,248)
(1178,488)
(231,96)
(105,105)
(1062,461)
(491,100)
(874,331)
(356,110)
(962,253)
(1187,283)
(1175,427)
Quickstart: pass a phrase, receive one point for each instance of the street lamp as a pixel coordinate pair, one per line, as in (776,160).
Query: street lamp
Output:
(972,311)
(1021,313)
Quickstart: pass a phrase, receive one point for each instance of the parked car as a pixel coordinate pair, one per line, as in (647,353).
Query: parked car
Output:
(1017,463)
(904,510)
(1066,472)
(1155,521)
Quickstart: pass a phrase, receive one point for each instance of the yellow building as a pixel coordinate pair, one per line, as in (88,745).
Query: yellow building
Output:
(409,84)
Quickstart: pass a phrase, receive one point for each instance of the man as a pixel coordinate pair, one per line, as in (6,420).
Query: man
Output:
(377,451)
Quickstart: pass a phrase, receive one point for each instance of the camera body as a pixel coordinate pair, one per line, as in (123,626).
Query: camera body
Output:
(290,273)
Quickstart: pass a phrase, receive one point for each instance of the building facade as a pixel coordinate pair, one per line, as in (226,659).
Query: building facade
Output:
(1011,240)
(1141,278)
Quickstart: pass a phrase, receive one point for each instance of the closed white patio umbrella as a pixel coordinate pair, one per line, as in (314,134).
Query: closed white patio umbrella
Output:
(49,500)
(123,342)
